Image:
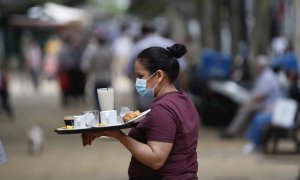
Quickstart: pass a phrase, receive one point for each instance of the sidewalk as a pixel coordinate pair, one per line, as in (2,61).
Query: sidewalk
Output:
(64,158)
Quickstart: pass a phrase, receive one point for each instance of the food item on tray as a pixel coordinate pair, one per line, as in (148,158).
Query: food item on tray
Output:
(131,115)
(69,127)
(99,125)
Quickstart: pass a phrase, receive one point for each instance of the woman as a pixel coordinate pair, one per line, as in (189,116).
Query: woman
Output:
(163,145)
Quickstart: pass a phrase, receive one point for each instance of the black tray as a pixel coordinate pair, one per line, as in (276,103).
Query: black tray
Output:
(130,124)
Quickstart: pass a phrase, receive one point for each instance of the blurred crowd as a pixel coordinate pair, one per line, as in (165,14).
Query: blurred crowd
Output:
(95,56)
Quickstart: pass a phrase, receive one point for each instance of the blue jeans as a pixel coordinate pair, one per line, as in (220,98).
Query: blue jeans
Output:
(259,123)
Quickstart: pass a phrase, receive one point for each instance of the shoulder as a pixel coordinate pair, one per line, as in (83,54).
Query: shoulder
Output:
(161,115)
(163,109)
(170,101)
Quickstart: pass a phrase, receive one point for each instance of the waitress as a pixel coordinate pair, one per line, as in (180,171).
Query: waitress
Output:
(163,145)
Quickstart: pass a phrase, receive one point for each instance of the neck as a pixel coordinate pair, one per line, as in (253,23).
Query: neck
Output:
(166,89)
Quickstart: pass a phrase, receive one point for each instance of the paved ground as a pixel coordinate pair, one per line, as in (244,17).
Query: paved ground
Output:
(64,158)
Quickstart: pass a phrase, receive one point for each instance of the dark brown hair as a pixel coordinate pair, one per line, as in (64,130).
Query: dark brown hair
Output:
(165,59)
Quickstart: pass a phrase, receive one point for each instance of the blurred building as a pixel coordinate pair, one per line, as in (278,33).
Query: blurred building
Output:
(18,17)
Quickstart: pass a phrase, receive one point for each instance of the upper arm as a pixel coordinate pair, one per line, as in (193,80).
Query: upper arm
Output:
(160,134)
(161,151)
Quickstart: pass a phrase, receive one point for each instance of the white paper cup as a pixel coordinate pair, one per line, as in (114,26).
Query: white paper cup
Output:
(95,113)
(79,122)
(121,111)
(109,118)
(106,98)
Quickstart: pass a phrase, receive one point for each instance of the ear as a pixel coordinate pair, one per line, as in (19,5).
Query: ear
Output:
(160,75)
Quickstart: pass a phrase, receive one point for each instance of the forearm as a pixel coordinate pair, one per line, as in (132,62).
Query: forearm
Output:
(142,152)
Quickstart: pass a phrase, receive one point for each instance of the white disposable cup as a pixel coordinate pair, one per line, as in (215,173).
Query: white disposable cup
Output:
(79,122)
(95,114)
(123,110)
(109,118)
(106,98)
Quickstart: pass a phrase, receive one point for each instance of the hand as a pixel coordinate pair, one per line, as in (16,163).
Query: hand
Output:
(88,138)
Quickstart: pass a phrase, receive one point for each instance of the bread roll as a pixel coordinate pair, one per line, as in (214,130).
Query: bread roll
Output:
(131,115)
(137,113)
(126,119)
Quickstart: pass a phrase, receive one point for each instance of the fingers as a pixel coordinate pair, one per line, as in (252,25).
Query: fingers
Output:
(88,138)
(91,139)
(84,137)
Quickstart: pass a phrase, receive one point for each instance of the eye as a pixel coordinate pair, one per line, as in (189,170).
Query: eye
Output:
(140,76)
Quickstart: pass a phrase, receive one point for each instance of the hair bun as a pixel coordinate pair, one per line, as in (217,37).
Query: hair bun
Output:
(177,50)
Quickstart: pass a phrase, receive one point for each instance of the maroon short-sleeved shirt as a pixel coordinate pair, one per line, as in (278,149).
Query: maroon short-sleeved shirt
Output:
(174,119)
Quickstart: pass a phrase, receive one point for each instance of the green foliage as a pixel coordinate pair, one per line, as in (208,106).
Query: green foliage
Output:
(107,6)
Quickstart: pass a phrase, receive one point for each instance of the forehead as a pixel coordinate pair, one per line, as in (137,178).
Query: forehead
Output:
(140,68)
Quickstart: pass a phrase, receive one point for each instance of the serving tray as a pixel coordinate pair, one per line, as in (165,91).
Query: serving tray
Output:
(129,124)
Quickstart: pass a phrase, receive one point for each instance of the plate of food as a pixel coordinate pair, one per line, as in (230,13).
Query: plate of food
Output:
(134,116)
(130,119)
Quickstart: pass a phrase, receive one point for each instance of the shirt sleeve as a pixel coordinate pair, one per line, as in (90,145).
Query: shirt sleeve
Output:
(264,86)
(161,125)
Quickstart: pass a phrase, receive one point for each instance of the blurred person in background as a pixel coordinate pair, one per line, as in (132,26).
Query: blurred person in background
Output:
(3,157)
(33,56)
(159,152)
(262,120)
(263,95)
(4,90)
(293,91)
(71,77)
(149,38)
(259,124)
(52,47)
(278,46)
(122,48)
(193,54)
(283,64)
(97,60)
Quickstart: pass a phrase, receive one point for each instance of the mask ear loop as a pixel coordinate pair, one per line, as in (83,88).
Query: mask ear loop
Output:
(151,76)
(156,83)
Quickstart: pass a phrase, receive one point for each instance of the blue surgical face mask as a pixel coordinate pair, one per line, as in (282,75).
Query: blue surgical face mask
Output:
(141,87)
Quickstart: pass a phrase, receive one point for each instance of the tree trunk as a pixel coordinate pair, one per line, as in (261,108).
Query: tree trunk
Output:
(261,34)
(236,24)
(297,27)
(209,28)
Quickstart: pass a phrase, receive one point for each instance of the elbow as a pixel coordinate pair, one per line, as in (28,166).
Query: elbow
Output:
(157,165)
